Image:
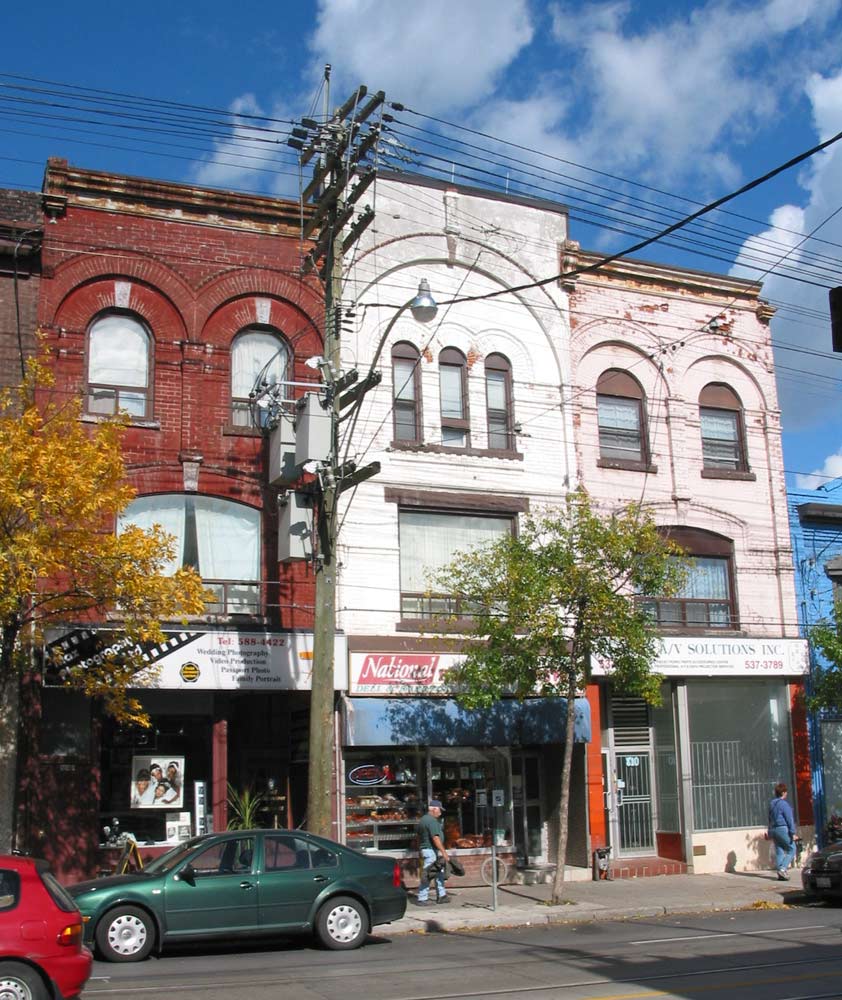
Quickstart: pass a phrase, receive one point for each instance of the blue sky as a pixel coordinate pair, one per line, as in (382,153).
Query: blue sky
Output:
(688,98)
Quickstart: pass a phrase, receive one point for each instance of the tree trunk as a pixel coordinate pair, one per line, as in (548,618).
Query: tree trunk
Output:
(564,800)
(9,721)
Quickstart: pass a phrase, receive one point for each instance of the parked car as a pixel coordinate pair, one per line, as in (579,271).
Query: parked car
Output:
(821,876)
(41,952)
(245,883)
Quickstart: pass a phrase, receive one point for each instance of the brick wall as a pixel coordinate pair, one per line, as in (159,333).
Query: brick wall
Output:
(20,238)
(196,273)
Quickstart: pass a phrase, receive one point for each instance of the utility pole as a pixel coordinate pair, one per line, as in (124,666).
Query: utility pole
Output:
(343,143)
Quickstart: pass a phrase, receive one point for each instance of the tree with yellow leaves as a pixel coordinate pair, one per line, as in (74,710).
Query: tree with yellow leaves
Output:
(62,486)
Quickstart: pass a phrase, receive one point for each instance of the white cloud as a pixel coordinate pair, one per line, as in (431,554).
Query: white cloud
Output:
(831,469)
(810,394)
(435,57)
(665,100)
(250,158)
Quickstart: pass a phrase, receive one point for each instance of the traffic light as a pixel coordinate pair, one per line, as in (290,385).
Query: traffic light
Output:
(836,318)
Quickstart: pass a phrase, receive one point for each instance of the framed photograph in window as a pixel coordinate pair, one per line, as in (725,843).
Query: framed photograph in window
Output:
(157,782)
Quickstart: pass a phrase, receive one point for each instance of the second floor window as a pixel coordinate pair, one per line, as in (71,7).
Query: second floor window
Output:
(257,356)
(218,538)
(429,541)
(706,601)
(721,419)
(498,399)
(119,349)
(453,393)
(621,418)
(406,381)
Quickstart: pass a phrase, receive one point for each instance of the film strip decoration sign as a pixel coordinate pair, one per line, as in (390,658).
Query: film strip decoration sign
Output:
(87,647)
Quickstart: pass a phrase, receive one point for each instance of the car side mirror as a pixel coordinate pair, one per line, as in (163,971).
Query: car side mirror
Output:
(188,874)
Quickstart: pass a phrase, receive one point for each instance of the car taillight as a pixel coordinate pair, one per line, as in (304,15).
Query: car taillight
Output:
(396,876)
(70,935)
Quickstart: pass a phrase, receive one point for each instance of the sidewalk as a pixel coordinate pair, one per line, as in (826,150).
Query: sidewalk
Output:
(525,905)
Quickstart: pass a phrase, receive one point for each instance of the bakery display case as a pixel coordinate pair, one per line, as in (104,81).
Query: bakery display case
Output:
(383,801)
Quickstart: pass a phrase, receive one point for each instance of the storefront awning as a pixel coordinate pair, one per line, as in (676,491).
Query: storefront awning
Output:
(443,722)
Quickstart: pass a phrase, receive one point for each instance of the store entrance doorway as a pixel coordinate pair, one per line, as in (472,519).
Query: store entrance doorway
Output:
(527,811)
(634,801)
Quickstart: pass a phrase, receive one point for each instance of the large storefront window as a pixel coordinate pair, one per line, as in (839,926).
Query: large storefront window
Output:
(666,763)
(387,790)
(740,747)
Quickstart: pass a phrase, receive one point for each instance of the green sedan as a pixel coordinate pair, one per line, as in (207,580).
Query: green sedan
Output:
(247,883)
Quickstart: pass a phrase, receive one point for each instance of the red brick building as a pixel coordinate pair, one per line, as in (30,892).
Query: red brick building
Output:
(20,268)
(172,302)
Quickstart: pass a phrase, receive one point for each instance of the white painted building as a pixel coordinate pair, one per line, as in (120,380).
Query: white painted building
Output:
(469,428)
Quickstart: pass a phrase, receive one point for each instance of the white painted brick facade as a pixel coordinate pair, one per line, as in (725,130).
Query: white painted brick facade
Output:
(464,245)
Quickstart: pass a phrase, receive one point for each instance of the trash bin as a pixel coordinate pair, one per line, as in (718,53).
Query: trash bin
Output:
(601,864)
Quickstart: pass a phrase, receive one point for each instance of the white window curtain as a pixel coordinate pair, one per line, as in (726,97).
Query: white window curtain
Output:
(228,536)
(167,511)
(118,352)
(450,383)
(429,541)
(495,388)
(404,376)
(707,580)
(256,355)
(619,427)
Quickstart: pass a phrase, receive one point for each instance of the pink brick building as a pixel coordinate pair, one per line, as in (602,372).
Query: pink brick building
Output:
(674,401)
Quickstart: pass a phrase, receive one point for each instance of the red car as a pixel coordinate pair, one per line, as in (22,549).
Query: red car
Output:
(41,951)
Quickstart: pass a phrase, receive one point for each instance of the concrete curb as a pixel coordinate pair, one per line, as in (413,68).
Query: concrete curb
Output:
(468,917)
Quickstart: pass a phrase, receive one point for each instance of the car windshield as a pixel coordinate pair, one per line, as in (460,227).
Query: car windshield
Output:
(168,861)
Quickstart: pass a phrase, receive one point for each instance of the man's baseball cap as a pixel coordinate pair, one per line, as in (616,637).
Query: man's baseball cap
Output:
(434,804)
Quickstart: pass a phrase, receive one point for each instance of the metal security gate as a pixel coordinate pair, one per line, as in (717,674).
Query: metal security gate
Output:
(632,738)
(634,778)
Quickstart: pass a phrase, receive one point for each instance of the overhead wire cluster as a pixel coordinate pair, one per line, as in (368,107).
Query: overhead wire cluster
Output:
(254,144)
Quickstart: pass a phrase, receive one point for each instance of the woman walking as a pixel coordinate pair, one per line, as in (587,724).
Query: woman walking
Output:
(782,831)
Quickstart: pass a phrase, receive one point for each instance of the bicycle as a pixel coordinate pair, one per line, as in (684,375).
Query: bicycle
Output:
(486,870)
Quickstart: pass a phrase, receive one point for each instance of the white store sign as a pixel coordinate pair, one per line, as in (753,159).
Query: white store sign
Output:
(406,673)
(708,656)
(217,661)
(411,673)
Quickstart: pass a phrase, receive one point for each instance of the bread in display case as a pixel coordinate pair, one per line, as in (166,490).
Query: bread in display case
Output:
(382,802)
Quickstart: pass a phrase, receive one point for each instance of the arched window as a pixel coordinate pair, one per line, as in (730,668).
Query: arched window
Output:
(620,403)
(706,601)
(453,391)
(406,382)
(258,356)
(219,538)
(498,401)
(119,349)
(723,432)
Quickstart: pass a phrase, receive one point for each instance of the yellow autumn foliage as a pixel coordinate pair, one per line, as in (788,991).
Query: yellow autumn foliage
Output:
(62,486)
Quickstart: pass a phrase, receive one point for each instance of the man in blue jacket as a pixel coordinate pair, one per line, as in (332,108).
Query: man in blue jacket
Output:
(782,830)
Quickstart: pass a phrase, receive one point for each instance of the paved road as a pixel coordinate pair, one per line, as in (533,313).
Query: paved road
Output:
(779,954)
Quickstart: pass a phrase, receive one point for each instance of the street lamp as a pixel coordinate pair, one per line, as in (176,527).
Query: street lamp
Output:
(423,307)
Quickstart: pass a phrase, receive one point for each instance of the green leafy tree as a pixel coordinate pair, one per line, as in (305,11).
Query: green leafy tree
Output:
(62,486)
(547,603)
(826,681)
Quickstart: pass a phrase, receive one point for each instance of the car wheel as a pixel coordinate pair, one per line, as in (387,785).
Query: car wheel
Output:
(125,934)
(20,982)
(342,924)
